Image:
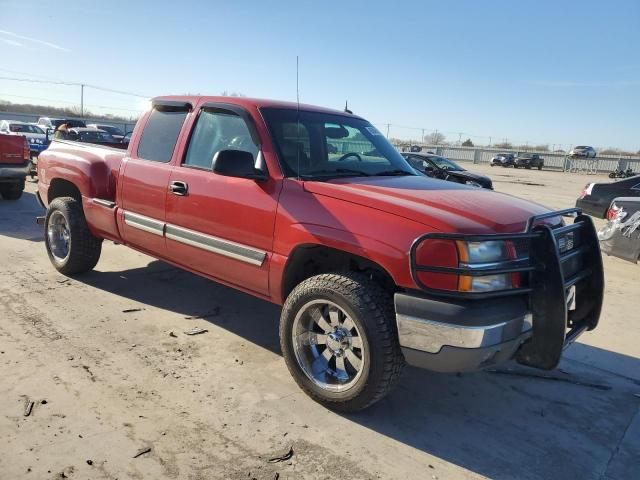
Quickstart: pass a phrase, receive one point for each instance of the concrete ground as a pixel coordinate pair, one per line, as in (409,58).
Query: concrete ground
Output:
(111,374)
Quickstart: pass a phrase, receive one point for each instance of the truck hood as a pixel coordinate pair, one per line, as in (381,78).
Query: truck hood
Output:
(441,205)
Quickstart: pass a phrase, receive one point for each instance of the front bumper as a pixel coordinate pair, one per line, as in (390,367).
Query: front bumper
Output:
(560,298)
(14,172)
(460,335)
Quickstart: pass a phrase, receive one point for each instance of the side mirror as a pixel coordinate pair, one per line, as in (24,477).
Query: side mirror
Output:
(237,163)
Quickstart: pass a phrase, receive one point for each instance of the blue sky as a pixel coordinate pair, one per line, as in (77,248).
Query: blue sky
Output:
(556,72)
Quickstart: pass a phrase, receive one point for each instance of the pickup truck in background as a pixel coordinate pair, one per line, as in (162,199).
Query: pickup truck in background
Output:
(15,165)
(375,265)
(528,161)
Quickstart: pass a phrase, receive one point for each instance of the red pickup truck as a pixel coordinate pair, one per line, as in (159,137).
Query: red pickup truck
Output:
(15,165)
(375,264)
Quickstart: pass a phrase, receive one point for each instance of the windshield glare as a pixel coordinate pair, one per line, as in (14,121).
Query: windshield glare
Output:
(315,145)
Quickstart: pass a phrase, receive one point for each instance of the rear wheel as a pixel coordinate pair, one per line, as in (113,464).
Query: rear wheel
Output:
(339,340)
(12,191)
(71,247)
(540,167)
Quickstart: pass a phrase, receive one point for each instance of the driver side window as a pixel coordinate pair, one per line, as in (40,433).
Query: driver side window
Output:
(217,130)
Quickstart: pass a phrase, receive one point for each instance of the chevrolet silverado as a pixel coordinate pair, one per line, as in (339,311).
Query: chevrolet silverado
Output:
(310,208)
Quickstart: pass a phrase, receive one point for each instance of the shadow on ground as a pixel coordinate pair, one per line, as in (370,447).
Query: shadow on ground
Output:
(502,426)
(20,216)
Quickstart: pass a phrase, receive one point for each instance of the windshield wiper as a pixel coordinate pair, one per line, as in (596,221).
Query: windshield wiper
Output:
(393,173)
(338,172)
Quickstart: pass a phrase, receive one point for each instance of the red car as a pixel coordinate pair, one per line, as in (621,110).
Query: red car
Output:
(15,165)
(313,209)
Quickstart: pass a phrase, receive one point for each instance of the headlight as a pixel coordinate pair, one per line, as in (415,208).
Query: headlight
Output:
(489,283)
(482,252)
(469,256)
(473,183)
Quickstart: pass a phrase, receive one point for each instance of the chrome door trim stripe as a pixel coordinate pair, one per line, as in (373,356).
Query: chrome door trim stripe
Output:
(144,223)
(217,245)
(104,203)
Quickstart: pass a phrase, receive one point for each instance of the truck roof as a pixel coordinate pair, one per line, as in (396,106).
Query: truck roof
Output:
(247,102)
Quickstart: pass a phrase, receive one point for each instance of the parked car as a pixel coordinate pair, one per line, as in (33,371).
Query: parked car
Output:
(15,165)
(127,138)
(528,161)
(443,168)
(583,151)
(37,138)
(621,235)
(373,263)
(114,131)
(503,160)
(91,135)
(52,124)
(596,198)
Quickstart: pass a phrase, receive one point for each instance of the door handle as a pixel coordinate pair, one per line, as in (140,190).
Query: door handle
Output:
(178,187)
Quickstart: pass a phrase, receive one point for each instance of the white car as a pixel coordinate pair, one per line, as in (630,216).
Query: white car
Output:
(583,151)
(36,136)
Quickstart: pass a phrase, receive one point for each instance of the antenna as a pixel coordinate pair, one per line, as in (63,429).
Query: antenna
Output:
(298,114)
(346,107)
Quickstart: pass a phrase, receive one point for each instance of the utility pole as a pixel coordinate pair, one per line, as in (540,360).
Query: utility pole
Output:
(422,137)
(459,138)
(388,125)
(489,141)
(82,99)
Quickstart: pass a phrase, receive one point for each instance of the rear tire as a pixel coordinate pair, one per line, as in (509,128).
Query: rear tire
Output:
(323,321)
(12,191)
(71,247)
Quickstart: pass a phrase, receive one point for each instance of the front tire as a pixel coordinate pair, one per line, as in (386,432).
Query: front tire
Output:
(339,340)
(71,247)
(12,191)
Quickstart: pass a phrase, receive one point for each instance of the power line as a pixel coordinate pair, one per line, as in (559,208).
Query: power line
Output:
(74,84)
(72,103)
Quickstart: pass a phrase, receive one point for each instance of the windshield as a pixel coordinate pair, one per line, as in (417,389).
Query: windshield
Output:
(315,145)
(445,163)
(25,128)
(96,136)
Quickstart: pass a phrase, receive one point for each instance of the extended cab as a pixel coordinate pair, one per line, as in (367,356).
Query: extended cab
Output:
(374,264)
(15,165)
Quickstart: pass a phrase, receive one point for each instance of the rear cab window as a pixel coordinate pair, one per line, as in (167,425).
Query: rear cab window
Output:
(160,134)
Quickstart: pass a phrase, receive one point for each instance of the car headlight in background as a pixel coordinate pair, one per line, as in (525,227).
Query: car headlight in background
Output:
(473,183)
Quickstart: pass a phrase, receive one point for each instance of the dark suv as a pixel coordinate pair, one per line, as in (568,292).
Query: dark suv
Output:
(528,161)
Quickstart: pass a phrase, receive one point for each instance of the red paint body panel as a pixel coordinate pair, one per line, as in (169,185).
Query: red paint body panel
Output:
(377,218)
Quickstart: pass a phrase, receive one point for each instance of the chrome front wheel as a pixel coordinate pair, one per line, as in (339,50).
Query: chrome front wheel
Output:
(339,340)
(58,236)
(328,345)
